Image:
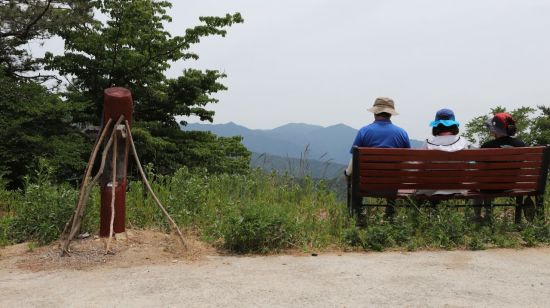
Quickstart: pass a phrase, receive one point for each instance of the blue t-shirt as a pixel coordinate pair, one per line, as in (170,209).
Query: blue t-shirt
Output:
(381,134)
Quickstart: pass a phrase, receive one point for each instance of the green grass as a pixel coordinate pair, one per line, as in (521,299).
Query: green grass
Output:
(262,213)
(233,211)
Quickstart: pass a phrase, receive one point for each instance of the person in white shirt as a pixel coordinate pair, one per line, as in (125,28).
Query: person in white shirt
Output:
(445,138)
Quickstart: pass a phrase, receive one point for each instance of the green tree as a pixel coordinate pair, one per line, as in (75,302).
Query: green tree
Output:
(132,49)
(533,125)
(36,124)
(193,149)
(23,21)
(540,132)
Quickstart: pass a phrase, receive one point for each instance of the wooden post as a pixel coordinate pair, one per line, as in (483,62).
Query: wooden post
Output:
(116,102)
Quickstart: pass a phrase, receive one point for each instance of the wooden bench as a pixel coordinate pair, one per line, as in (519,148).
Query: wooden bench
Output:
(483,173)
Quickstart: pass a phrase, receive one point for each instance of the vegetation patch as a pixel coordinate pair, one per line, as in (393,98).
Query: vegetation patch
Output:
(262,213)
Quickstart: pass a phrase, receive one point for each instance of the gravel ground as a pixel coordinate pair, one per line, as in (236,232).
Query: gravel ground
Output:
(495,278)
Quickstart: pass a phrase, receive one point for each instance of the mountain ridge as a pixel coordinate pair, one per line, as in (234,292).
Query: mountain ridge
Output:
(293,140)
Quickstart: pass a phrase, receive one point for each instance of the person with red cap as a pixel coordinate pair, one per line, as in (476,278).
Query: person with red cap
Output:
(502,128)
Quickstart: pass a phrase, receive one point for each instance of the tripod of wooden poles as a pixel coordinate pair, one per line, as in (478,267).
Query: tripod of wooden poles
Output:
(118,130)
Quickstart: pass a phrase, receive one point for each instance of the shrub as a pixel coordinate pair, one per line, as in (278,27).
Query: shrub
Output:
(41,211)
(259,212)
(380,237)
(476,243)
(354,237)
(4,225)
(259,228)
(536,233)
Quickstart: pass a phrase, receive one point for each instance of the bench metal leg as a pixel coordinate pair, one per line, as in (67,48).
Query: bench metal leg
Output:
(479,205)
(519,208)
(357,204)
(390,209)
(350,207)
(539,206)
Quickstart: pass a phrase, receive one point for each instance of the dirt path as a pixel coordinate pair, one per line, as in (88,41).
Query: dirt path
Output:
(458,278)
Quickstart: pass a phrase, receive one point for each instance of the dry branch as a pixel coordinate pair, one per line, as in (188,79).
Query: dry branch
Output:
(87,174)
(157,201)
(113,191)
(80,214)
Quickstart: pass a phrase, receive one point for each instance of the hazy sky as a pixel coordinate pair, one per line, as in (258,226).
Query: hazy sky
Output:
(324,62)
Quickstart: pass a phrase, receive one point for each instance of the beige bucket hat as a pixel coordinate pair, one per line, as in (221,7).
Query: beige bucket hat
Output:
(383,104)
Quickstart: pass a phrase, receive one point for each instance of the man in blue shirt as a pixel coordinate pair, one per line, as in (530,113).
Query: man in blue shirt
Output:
(382,133)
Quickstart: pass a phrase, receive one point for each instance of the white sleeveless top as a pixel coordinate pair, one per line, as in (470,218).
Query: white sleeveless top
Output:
(449,143)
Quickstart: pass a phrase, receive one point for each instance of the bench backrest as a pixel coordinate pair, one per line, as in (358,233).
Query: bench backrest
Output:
(377,169)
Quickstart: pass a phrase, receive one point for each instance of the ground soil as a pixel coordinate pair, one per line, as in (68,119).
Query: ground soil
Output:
(151,269)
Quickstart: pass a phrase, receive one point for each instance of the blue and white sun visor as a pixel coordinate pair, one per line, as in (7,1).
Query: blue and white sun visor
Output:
(444,122)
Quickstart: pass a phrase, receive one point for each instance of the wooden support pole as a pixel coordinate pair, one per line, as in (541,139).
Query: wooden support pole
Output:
(113,190)
(79,212)
(144,177)
(87,174)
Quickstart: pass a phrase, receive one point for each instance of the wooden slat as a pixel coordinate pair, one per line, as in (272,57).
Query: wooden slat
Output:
(449,180)
(384,170)
(448,166)
(435,156)
(468,195)
(374,187)
(465,153)
(451,173)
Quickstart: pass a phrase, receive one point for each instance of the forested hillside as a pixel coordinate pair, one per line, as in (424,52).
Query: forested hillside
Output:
(294,140)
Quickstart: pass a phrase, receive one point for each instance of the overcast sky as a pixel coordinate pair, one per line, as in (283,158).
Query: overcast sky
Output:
(324,62)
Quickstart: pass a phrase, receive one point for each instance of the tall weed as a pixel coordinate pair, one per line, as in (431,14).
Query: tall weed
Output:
(41,210)
(261,212)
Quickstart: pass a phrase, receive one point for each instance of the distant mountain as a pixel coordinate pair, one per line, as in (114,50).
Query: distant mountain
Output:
(294,140)
(297,167)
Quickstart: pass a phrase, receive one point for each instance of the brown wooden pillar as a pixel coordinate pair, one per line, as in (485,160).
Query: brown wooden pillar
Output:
(117,101)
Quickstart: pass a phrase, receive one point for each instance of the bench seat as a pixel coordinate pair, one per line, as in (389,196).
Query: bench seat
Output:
(481,173)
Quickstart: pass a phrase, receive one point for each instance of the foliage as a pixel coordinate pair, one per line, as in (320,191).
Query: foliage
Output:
(533,125)
(263,213)
(234,211)
(259,228)
(446,227)
(132,49)
(4,225)
(42,210)
(536,233)
(23,21)
(540,133)
(36,124)
(170,149)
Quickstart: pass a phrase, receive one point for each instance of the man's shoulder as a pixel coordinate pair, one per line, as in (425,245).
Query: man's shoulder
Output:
(398,129)
(387,129)
(383,126)
(367,127)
